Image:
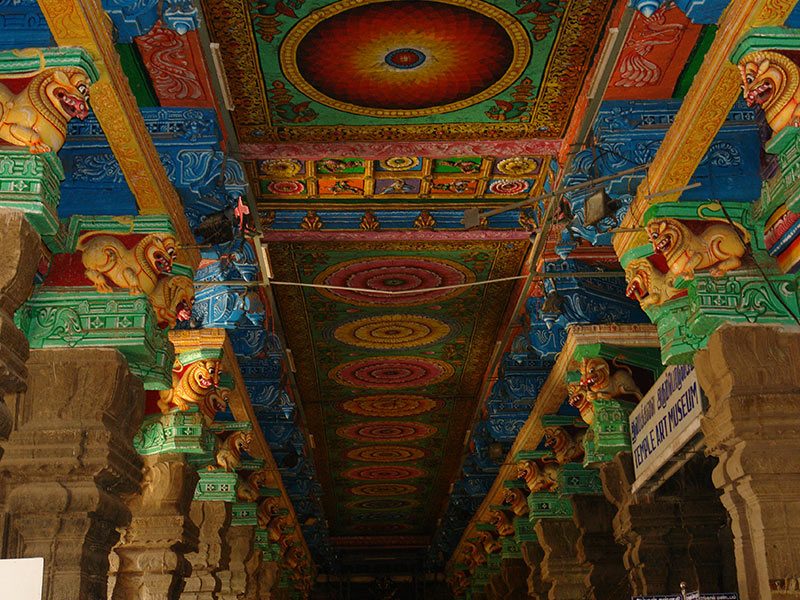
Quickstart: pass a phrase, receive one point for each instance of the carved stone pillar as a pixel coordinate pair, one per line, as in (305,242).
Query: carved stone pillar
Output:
(67,461)
(151,554)
(497,588)
(533,554)
(515,575)
(560,566)
(213,553)
(751,375)
(234,581)
(597,549)
(264,580)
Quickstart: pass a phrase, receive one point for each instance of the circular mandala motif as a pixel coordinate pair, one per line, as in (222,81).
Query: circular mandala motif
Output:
(518,165)
(384,473)
(405,58)
(284,167)
(508,186)
(390,405)
(376,504)
(383,526)
(384,489)
(386,431)
(387,332)
(286,187)
(394,273)
(385,454)
(400,163)
(391,372)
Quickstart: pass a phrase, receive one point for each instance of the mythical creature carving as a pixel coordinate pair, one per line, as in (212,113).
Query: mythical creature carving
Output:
(229,455)
(190,385)
(247,490)
(538,478)
(37,116)
(217,400)
(108,260)
(476,553)
(772,81)
(717,248)
(460,582)
(500,520)
(517,500)
(267,510)
(579,398)
(565,448)
(489,542)
(173,299)
(648,285)
(598,380)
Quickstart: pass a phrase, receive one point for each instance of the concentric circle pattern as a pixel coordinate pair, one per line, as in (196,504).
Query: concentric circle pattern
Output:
(518,165)
(384,489)
(405,274)
(392,372)
(386,431)
(286,187)
(379,504)
(390,405)
(388,332)
(382,526)
(405,58)
(386,454)
(508,186)
(384,473)
(399,163)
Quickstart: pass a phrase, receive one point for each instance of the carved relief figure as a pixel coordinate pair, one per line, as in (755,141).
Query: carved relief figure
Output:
(565,448)
(648,285)
(772,81)
(173,299)
(190,385)
(718,246)
(37,117)
(217,400)
(538,478)
(489,543)
(517,500)
(461,582)
(476,553)
(500,520)
(267,510)
(247,490)
(579,398)
(229,455)
(108,260)
(596,376)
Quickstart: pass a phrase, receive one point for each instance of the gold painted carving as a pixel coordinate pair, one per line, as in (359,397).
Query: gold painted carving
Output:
(229,455)
(172,300)
(489,542)
(190,385)
(580,400)
(648,285)
(500,520)
(597,379)
(565,448)
(517,500)
(542,478)
(772,81)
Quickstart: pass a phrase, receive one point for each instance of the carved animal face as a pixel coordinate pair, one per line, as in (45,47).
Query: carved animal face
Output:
(595,373)
(69,93)
(665,236)
(637,274)
(205,374)
(527,470)
(157,255)
(579,399)
(513,497)
(242,441)
(556,438)
(170,245)
(216,401)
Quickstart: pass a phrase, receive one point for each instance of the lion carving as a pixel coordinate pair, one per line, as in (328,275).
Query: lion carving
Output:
(37,117)
(190,385)
(217,400)
(489,542)
(517,500)
(648,285)
(717,248)
(229,455)
(538,478)
(579,398)
(267,510)
(247,490)
(565,448)
(772,81)
(500,520)
(108,260)
(172,299)
(597,378)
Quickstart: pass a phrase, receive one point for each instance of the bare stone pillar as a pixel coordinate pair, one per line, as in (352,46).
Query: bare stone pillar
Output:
(533,554)
(515,575)
(234,581)
(751,375)
(213,553)
(560,567)
(597,550)
(67,461)
(151,554)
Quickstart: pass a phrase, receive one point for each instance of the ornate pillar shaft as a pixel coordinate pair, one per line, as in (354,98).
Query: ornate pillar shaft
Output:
(751,376)
(213,553)
(234,583)
(151,554)
(515,575)
(68,461)
(560,566)
(533,554)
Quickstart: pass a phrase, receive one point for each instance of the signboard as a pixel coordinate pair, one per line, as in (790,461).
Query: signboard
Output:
(690,596)
(22,578)
(665,420)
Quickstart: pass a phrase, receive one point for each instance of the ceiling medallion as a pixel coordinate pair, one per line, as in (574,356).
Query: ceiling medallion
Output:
(518,165)
(405,58)
(400,163)
(282,167)
(387,332)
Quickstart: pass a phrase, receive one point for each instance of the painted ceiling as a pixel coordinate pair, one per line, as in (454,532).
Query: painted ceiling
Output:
(390,382)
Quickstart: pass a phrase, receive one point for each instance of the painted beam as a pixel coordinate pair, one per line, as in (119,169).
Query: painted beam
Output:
(709,100)
(84,23)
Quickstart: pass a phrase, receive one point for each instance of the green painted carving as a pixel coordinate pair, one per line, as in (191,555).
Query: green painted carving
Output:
(678,343)
(33,59)
(765,38)
(69,317)
(176,431)
(548,505)
(523,530)
(30,184)
(511,547)
(216,486)
(609,433)
(485,527)
(223,426)
(140,225)
(284,580)
(494,561)
(647,358)
(244,513)
(574,479)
